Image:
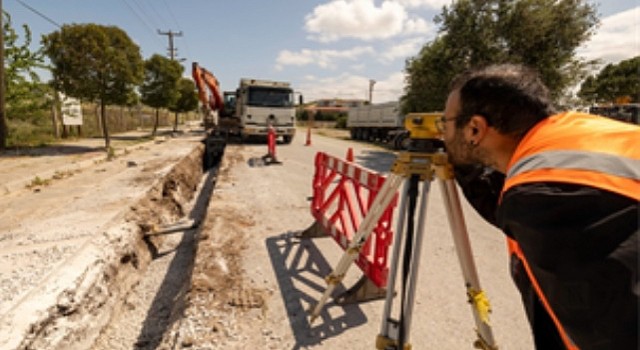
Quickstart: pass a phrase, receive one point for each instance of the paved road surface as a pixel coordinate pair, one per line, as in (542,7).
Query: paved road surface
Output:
(252,282)
(256,209)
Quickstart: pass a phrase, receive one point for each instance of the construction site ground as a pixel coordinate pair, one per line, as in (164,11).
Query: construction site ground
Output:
(147,251)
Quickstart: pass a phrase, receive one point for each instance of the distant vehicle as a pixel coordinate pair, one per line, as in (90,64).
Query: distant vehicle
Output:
(249,110)
(381,122)
(628,112)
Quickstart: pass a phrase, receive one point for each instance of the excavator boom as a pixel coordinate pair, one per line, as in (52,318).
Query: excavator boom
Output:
(212,102)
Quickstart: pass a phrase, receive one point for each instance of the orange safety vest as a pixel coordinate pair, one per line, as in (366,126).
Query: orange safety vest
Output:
(575,148)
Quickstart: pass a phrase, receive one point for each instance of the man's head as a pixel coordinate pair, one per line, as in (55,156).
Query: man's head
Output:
(489,110)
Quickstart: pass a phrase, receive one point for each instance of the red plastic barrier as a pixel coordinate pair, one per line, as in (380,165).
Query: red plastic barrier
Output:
(342,196)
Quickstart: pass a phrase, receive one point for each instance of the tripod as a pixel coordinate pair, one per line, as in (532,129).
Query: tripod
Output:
(421,164)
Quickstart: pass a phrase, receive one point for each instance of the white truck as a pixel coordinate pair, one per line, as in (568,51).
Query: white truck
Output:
(260,103)
(249,110)
(378,122)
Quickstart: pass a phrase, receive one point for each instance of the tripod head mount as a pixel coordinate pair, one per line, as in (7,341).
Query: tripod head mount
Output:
(426,155)
(424,135)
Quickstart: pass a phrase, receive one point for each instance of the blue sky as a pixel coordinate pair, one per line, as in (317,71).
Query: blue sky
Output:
(326,49)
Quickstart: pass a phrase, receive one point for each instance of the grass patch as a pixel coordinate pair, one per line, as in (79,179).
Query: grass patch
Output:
(38,182)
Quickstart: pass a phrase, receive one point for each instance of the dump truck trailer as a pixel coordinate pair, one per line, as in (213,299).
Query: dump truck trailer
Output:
(377,123)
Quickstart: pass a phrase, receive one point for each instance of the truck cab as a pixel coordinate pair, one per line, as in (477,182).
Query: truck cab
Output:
(260,103)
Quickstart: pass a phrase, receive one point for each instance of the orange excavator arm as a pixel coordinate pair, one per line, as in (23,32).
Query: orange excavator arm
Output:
(202,78)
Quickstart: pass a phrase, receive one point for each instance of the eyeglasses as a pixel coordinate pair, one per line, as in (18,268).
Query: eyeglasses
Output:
(441,122)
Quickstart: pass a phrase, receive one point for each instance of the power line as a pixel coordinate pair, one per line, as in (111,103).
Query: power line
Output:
(175,21)
(137,15)
(171,14)
(141,19)
(38,13)
(145,13)
(157,14)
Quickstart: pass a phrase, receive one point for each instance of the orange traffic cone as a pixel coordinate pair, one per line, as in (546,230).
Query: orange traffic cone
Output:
(350,155)
(308,143)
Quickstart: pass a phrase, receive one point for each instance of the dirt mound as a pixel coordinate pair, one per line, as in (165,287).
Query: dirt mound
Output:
(219,293)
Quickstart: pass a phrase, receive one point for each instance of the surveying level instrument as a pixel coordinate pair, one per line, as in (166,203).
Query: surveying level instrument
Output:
(424,161)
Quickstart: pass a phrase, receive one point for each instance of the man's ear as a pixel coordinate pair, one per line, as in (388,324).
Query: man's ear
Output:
(476,129)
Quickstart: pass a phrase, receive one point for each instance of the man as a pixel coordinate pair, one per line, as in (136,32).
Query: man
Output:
(569,205)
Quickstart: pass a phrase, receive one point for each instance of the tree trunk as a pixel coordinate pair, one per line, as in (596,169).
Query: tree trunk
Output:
(3,132)
(54,116)
(105,130)
(155,124)
(175,123)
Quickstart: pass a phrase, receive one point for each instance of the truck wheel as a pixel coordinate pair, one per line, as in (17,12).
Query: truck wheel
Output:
(287,139)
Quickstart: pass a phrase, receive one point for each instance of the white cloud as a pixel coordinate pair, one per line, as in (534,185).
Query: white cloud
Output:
(618,38)
(358,67)
(389,89)
(321,58)
(416,26)
(342,86)
(405,49)
(355,87)
(361,19)
(433,4)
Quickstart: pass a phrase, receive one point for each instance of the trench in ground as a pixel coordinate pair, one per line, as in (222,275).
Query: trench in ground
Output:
(158,299)
(128,284)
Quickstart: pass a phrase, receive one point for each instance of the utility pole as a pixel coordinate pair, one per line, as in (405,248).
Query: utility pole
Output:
(170,34)
(371,84)
(3,121)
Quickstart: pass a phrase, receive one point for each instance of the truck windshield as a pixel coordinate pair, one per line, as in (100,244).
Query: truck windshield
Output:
(270,97)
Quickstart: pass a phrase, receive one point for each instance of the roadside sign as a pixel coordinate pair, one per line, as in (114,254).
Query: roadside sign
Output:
(71,110)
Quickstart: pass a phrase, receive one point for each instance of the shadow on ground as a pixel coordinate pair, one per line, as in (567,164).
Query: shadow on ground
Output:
(300,267)
(52,150)
(376,160)
(71,146)
(170,300)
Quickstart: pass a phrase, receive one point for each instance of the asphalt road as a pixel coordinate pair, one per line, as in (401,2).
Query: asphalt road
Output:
(251,283)
(258,209)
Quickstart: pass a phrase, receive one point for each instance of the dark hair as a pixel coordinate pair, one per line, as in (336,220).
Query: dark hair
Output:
(511,97)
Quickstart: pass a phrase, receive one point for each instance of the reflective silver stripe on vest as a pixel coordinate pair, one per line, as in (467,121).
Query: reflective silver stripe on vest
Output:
(579,160)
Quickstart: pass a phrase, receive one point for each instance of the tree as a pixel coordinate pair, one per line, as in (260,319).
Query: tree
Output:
(428,77)
(543,34)
(24,92)
(160,86)
(94,63)
(614,82)
(187,99)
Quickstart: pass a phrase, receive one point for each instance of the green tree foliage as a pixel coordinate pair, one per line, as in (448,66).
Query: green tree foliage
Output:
(543,34)
(428,76)
(25,101)
(187,100)
(160,86)
(23,83)
(94,63)
(613,82)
